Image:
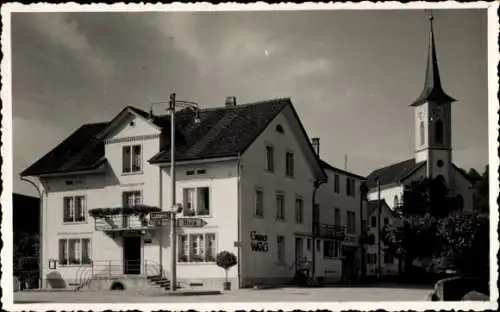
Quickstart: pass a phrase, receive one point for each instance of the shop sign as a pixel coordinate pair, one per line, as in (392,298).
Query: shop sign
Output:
(258,242)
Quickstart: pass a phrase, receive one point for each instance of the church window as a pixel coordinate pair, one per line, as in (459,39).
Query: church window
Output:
(440,163)
(422,133)
(396,201)
(438,133)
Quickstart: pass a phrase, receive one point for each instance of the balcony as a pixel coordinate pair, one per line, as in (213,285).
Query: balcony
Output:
(331,231)
(134,218)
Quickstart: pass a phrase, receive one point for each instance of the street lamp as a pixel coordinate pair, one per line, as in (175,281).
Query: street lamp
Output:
(172,104)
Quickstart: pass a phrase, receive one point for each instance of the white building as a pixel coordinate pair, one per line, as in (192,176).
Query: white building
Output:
(433,147)
(249,171)
(339,203)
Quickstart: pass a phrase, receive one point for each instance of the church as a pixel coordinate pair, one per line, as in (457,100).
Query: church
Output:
(432,159)
(433,145)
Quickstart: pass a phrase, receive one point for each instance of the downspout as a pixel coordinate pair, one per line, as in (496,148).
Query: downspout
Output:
(238,215)
(40,234)
(315,225)
(160,228)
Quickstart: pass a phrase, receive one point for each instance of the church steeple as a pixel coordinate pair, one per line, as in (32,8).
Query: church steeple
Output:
(433,91)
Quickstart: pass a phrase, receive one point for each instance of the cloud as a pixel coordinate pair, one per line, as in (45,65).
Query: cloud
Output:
(64,31)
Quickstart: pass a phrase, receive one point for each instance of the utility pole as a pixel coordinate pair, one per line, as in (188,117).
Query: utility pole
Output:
(173,227)
(379,260)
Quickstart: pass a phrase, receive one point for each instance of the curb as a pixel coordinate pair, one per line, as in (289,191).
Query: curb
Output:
(191,293)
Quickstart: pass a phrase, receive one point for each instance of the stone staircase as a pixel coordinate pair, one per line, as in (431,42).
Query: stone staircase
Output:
(161,282)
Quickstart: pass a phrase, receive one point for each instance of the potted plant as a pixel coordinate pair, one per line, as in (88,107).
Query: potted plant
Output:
(226,260)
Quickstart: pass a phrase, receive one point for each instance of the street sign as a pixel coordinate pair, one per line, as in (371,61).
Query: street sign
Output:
(191,222)
(161,215)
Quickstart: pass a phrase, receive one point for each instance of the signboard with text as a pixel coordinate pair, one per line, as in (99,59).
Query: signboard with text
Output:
(191,222)
(160,215)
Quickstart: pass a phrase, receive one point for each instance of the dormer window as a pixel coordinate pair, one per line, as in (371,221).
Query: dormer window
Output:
(132,159)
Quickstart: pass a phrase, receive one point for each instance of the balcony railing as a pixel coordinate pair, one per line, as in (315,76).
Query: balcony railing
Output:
(121,222)
(331,231)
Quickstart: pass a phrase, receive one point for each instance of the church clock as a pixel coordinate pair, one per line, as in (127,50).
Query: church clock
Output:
(437,112)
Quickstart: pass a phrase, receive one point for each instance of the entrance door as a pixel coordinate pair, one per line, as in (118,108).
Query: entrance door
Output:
(348,265)
(132,255)
(299,248)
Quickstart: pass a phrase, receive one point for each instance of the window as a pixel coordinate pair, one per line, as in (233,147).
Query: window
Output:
(371,258)
(280,206)
(337,219)
(422,133)
(351,222)
(280,240)
(351,187)
(396,201)
(374,221)
(130,199)
(132,160)
(74,251)
(289,165)
(259,203)
(336,183)
(318,245)
(270,158)
(388,258)
(299,210)
(74,209)
(309,244)
(438,126)
(331,249)
(196,201)
(197,247)
(386,221)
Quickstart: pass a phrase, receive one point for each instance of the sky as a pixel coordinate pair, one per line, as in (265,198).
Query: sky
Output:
(351,75)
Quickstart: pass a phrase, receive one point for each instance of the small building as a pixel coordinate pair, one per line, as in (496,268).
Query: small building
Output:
(340,203)
(379,261)
(248,172)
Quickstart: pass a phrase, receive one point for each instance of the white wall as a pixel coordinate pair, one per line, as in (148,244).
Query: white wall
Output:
(221,178)
(388,194)
(92,188)
(460,185)
(386,268)
(264,265)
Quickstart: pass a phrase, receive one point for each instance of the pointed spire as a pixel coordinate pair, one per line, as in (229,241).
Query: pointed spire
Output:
(433,90)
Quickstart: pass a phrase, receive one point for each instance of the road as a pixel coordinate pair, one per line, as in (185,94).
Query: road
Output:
(337,294)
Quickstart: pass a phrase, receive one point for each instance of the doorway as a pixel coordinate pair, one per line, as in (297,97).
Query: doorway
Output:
(299,247)
(132,255)
(348,265)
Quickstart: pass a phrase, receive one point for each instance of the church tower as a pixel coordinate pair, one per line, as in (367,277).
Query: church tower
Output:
(433,119)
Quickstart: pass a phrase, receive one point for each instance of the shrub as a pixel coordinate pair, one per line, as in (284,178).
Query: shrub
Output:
(226,260)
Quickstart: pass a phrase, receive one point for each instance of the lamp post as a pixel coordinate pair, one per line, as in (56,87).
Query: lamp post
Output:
(173,103)
(40,234)
(379,212)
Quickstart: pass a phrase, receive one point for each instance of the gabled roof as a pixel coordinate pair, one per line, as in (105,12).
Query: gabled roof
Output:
(80,151)
(433,91)
(222,132)
(393,173)
(326,165)
(372,206)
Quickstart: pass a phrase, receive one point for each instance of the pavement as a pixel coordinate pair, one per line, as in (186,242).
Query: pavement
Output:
(291,294)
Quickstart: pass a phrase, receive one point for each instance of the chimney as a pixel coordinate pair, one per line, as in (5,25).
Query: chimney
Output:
(315,144)
(230,101)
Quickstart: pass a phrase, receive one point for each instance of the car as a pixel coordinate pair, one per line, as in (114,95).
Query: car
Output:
(460,288)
